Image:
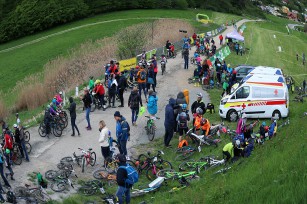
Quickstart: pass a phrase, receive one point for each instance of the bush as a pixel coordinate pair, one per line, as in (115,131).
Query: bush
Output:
(180,4)
(3,110)
(305,27)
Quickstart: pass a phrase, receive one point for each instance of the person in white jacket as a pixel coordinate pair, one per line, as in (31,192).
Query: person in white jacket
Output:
(104,141)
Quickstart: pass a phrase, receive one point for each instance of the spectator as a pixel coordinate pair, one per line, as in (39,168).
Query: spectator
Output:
(155,68)
(87,101)
(133,102)
(122,85)
(17,119)
(112,85)
(141,79)
(237,48)
(186,53)
(104,141)
(169,122)
(152,106)
(198,103)
(2,161)
(151,78)
(187,97)
(122,132)
(91,83)
(20,140)
(73,116)
(221,39)
(218,69)
(121,176)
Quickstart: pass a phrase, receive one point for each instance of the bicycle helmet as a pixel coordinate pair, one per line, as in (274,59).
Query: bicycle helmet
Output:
(199,111)
(7,151)
(15,125)
(263,124)
(238,142)
(184,107)
(199,95)
(60,92)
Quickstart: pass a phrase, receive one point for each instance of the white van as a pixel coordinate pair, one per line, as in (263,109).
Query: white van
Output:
(258,97)
(259,70)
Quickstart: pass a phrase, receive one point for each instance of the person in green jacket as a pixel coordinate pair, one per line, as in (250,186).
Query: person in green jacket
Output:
(228,149)
(91,83)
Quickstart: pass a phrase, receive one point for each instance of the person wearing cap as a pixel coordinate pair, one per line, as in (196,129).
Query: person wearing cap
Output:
(182,121)
(99,90)
(198,103)
(87,101)
(228,149)
(122,132)
(121,176)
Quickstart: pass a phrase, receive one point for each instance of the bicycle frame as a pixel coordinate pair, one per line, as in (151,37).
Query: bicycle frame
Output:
(196,165)
(174,174)
(202,139)
(213,162)
(86,155)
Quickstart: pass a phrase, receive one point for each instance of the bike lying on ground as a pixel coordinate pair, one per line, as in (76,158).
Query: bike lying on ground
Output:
(185,152)
(91,187)
(202,139)
(153,186)
(32,193)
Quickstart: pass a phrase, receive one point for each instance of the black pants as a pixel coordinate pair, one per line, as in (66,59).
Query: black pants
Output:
(123,147)
(227,154)
(121,96)
(155,78)
(47,125)
(73,125)
(112,98)
(2,175)
(169,132)
(101,100)
(105,151)
(148,87)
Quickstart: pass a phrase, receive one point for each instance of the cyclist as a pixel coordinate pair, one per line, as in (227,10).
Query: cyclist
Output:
(151,78)
(8,148)
(182,121)
(168,48)
(133,102)
(205,126)
(47,120)
(228,149)
(99,91)
(172,50)
(59,97)
(112,67)
(152,105)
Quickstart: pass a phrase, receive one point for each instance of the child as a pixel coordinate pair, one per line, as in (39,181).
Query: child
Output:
(182,121)
(272,128)
(152,105)
(172,50)
(198,116)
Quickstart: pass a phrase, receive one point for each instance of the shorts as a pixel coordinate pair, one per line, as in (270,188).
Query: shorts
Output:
(181,130)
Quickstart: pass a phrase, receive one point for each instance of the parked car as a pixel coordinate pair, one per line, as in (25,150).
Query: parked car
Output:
(243,71)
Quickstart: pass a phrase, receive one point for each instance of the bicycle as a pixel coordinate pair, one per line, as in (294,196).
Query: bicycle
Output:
(153,186)
(38,193)
(103,174)
(52,174)
(89,157)
(196,165)
(171,174)
(223,170)
(91,187)
(212,162)
(54,125)
(27,145)
(185,152)
(202,139)
(151,127)
(60,182)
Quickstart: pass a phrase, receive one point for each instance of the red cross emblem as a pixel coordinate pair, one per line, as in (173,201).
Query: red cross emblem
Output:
(243,106)
(276,92)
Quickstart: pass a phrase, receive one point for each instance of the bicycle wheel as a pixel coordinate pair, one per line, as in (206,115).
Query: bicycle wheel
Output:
(137,193)
(183,156)
(27,136)
(184,166)
(16,156)
(211,142)
(87,190)
(131,163)
(51,174)
(21,191)
(93,159)
(141,163)
(41,196)
(28,147)
(163,172)
(57,130)
(42,130)
(58,186)
(164,164)
(112,167)
(100,174)
(152,132)
(151,173)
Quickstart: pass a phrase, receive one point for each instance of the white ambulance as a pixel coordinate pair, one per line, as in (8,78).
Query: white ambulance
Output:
(258,97)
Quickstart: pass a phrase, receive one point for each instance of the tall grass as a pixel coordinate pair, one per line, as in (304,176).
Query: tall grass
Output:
(3,110)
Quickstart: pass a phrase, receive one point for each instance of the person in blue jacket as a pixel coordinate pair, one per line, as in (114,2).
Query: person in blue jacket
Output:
(152,105)
(122,132)
(169,122)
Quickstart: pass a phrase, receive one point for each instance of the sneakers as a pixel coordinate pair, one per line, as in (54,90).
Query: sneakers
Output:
(89,128)
(121,106)
(134,124)
(127,157)
(72,134)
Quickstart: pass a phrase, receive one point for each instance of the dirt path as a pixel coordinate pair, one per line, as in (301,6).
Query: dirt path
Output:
(48,151)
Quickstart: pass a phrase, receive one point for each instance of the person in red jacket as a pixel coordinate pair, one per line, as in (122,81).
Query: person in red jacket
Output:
(221,39)
(99,90)
(112,68)
(8,148)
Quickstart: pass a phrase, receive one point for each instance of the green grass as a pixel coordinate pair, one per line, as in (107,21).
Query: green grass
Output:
(17,64)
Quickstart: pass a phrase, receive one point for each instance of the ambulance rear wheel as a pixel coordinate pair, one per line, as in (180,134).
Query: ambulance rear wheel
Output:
(232,115)
(276,114)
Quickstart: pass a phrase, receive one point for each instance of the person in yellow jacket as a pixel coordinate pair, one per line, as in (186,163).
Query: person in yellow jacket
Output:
(228,149)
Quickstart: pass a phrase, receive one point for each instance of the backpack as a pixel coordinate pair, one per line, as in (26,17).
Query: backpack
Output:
(183,119)
(143,75)
(10,143)
(182,143)
(128,127)
(132,174)
(10,197)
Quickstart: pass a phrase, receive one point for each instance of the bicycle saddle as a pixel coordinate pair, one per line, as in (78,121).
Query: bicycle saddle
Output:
(90,149)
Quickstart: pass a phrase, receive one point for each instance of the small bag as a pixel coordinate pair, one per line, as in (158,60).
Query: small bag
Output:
(150,80)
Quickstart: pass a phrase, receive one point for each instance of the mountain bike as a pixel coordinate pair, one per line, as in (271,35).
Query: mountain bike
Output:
(184,152)
(212,162)
(27,145)
(91,187)
(16,156)
(202,139)
(56,128)
(151,127)
(38,193)
(196,165)
(88,158)
(104,174)
(172,174)
(153,186)
(62,181)
(26,133)
(52,174)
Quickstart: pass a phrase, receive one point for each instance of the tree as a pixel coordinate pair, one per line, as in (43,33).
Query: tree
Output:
(180,4)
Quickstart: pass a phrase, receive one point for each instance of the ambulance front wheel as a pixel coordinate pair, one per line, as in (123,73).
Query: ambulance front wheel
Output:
(232,115)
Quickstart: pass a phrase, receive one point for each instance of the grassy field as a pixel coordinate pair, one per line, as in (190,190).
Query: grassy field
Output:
(21,62)
(276,171)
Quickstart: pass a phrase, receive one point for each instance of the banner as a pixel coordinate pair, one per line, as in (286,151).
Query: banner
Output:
(127,64)
(150,53)
(221,54)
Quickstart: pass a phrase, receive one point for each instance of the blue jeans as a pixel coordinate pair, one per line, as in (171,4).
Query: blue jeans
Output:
(121,191)
(123,147)
(186,62)
(142,86)
(23,145)
(135,112)
(87,116)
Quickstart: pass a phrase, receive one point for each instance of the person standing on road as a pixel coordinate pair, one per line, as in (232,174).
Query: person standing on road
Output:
(104,142)
(87,101)
(122,85)
(73,116)
(152,105)
(121,176)
(151,78)
(122,132)
(185,54)
(155,69)
(2,157)
(133,102)
(112,85)
(20,140)
(141,79)
(169,122)
(221,39)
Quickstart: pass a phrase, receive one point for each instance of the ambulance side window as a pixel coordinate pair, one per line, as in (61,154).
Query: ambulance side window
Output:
(243,92)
